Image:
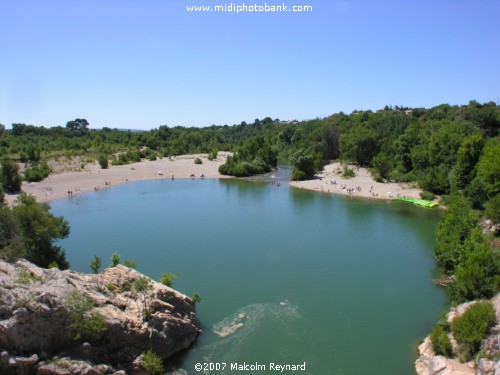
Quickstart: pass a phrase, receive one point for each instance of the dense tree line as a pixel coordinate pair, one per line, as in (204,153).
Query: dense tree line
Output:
(447,150)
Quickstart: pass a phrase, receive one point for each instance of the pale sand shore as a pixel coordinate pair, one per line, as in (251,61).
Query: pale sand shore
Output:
(363,179)
(93,178)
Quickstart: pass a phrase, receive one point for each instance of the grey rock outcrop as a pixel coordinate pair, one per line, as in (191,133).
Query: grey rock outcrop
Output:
(36,317)
(431,364)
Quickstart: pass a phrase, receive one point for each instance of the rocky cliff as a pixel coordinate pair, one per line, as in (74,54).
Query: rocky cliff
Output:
(88,320)
(431,364)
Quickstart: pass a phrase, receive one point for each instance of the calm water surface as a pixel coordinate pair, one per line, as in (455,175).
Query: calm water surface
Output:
(342,284)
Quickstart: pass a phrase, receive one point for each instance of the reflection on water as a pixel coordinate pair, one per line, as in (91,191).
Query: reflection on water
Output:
(285,275)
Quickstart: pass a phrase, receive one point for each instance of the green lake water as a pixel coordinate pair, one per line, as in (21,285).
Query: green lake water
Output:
(342,284)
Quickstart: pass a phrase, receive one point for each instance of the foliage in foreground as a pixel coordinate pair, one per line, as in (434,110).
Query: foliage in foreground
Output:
(152,363)
(29,230)
(473,326)
(167,278)
(441,343)
(87,326)
(462,250)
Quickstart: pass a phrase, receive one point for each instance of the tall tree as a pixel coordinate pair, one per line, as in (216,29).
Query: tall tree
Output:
(78,124)
(39,229)
(10,178)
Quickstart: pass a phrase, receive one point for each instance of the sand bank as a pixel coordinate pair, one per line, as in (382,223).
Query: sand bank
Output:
(92,177)
(369,188)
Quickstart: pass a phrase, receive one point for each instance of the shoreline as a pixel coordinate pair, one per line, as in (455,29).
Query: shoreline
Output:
(362,185)
(93,178)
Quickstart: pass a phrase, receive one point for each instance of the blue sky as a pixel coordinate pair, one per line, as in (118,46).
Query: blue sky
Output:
(141,64)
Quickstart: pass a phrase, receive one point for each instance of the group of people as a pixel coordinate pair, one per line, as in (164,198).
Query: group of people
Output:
(350,190)
(373,192)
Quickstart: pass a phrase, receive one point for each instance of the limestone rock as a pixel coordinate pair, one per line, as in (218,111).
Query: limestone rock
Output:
(431,364)
(36,315)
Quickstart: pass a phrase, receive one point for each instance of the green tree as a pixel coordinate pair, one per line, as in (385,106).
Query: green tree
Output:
(302,165)
(115,259)
(167,278)
(196,298)
(472,327)
(493,208)
(477,193)
(452,231)
(33,153)
(10,178)
(435,179)
(359,145)
(152,363)
(441,343)
(467,157)
(488,167)
(87,326)
(476,276)
(383,163)
(103,161)
(39,229)
(78,124)
(142,286)
(96,264)
(129,263)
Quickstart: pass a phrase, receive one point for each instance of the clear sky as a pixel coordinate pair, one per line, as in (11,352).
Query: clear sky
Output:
(143,63)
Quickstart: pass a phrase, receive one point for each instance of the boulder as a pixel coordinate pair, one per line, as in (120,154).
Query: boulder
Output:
(38,314)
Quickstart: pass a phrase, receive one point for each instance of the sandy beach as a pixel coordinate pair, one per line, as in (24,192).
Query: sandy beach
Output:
(63,182)
(331,181)
(92,178)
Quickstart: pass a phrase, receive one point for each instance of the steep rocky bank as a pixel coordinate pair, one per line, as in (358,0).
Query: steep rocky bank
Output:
(431,364)
(47,312)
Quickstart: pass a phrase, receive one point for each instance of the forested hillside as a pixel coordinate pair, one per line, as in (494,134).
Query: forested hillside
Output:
(451,151)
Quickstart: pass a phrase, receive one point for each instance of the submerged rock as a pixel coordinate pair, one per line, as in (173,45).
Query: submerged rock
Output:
(37,315)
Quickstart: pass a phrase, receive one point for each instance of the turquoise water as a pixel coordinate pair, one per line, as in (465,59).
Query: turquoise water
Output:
(285,275)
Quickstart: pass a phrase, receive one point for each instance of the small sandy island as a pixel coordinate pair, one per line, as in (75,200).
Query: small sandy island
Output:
(362,185)
(63,182)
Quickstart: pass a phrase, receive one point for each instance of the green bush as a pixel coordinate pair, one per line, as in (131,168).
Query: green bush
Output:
(96,264)
(493,209)
(103,161)
(213,155)
(115,259)
(87,326)
(129,263)
(427,196)
(298,175)
(473,326)
(10,178)
(152,363)
(167,278)
(348,172)
(198,161)
(196,298)
(37,172)
(303,165)
(111,287)
(478,270)
(440,341)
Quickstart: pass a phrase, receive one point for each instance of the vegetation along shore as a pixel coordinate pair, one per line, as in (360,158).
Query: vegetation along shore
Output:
(449,154)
